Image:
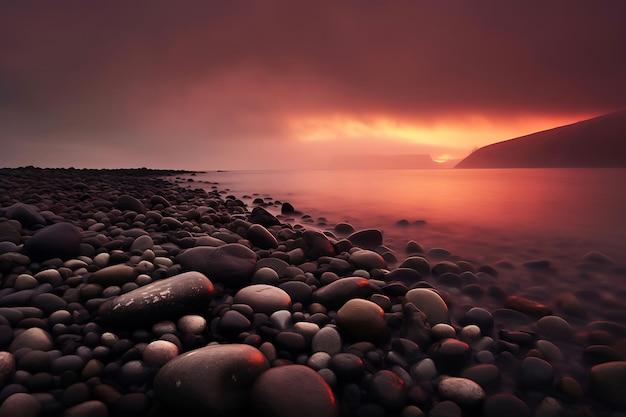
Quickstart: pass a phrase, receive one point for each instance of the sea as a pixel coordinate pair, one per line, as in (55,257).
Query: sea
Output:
(512,217)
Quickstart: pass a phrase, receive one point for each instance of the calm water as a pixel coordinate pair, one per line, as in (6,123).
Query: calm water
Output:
(484,215)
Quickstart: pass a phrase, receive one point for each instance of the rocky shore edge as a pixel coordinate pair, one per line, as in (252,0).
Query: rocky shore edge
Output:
(135,292)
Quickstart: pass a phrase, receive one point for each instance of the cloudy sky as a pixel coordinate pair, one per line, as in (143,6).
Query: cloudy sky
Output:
(287,84)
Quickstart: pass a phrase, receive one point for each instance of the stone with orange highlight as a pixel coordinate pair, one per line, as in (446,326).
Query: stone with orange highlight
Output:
(293,390)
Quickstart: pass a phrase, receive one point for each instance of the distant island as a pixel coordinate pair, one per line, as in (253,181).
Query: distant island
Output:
(594,143)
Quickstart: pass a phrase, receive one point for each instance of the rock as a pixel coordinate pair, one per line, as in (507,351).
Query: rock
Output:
(450,355)
(607,382)
(60,240)
(113,275)
(287,209)
(346,366)
(26,214)
(527,306)
(388,389)
(485,375)
(431,304)
(499,405)
(7,367)
(343,229)
(263,217)
(266,275)
(338,292)
(462,391)
(598,258)
(159,352)
(368,260)
(20,405)
(316,245)
(536,373)
(214,380)
(363,320)
(142,243)
(192,324)
(232,264)
(414,326)
(260,237)
(445,409)
(481,318)
(10,233)
(91,408)
(328,340)
(232,323)
(367,239)
(169,298)
(127,202)
(33,338)
(263,298)
(293,390)
(554,328)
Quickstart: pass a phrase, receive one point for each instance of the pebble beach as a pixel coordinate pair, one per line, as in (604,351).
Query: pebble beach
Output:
(137,292)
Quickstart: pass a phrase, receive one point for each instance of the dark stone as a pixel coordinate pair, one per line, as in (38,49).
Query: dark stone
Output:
(338,292)
(347,366)
(232,264)
(367,239)
(214,380)
(316,245)
(263,217)
(169,298)
(499,405)
(273,393)
(60,240)
(388,389)
(26,214)
(260,237)
(127,202)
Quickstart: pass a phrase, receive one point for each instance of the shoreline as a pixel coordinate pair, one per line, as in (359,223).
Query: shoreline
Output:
(91,323)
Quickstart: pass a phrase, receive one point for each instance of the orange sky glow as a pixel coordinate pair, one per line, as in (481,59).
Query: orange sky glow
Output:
(240,85)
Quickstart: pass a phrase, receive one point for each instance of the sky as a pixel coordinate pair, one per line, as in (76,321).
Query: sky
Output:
(205,85)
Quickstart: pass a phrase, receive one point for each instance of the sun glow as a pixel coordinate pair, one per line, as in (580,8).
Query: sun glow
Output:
(465,132)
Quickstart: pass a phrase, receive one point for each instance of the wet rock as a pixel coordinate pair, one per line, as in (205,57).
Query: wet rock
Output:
(527,306)
(499,405)
(260,237)
(368,260)
(363,320)
(554,328)
(291,390)
(232,264)
(328,340)
(20,405)
(607,382)
(263,217)
(33,338)
(159,352)
(367,239)
(431,304)
(263,298)
(536,373)
(113,275)
(462,391)
(60,240)
(316,245)
(338,292)
(26,214)
(128,202)
(214,380)
(388,389)
(169,298)
(450,355)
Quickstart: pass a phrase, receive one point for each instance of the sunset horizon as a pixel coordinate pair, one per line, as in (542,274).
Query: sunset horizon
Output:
(215,85)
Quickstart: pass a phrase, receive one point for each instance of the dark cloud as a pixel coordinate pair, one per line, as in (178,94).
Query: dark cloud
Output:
(217,70)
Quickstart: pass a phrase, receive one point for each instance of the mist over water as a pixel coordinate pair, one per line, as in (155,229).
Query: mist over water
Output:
(487,215)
